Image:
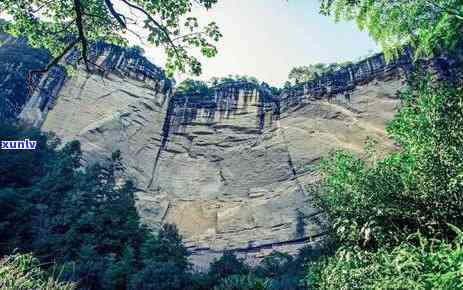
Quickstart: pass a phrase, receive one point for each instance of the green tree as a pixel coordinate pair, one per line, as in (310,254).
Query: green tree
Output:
(194,87)
(374,203)
(61,25)
(226,266)
(427,25)
(214,81)
(83,221)
(302,74)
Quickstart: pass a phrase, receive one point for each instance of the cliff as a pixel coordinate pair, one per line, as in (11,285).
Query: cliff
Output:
(229,169)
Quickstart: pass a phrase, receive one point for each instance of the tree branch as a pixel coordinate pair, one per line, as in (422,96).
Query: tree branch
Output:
(52,63)
(187,35)
(66,27)
(41,6)
(80,28)
(450,11)
(158,25)
(56,60)
(119,17)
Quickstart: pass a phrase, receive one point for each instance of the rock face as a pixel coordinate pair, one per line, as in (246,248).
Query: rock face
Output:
(230,169)
(16,60)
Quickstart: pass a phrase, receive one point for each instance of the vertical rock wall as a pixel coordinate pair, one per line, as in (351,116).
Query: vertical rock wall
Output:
(230,169)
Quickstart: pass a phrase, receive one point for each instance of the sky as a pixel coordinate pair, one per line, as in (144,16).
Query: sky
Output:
(266,38)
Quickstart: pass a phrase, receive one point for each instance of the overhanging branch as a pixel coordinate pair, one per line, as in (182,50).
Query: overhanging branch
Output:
(156,23)
(57,59)
(80,28)
(119,17)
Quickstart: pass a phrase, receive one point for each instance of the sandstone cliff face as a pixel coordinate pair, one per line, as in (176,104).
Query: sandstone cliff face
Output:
(16,60)
(230,170)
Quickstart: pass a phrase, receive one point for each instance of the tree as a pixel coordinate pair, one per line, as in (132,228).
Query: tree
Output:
(61,25)
(227,265)
(302,74)
(82,222)
(193,87)
(427,25)
(381,202)
(214,81)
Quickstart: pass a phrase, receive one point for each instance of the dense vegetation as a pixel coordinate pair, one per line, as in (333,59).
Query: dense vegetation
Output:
(302,74)
(198,87)
(397,220)
(407,266)
(194,87)
(23,272)
(82,221)
(429,26)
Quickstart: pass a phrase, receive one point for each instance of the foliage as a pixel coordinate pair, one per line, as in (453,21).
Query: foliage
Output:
(285,272)
(302,74)
(198,87)
(277,271)
(60,25)
(428,265)
(427,25)
(82,219)
(3,25)
(194,87)
(417,188)
(227,265)
(243,282)
(160,276)
(274,264)
(22,272)
(233,78)
(280,270)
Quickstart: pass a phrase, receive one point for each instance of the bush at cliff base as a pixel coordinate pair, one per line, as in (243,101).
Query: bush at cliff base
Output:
(243,282)
(376,204)
(21,272)
(407,266)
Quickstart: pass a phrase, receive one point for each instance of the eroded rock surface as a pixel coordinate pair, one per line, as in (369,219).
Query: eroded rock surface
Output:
(231,169)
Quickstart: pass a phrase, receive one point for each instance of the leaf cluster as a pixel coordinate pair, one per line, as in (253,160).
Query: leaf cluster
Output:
(429,26)
(62,25)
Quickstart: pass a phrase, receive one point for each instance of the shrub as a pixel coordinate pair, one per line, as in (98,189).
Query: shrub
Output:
(428,265)
(243,282)
(377,203)
(227,265)
(22,272)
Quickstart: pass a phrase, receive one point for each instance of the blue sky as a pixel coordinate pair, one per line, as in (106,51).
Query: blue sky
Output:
(266,38)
